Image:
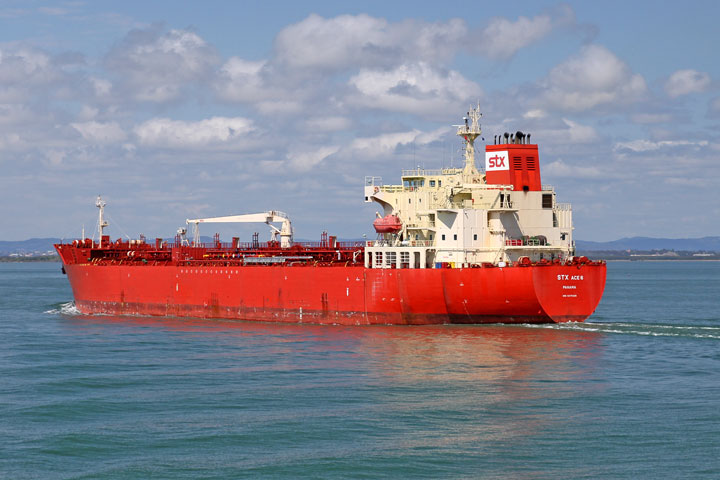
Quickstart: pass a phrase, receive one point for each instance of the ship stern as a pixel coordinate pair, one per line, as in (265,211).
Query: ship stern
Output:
(570,292)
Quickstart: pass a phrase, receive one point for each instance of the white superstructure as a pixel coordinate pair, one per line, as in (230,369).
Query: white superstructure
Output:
(465,216)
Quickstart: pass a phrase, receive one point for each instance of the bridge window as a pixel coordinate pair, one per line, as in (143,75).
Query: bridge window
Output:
(432,183)
(443,236)
(547,200)
(455,237)
(414,183)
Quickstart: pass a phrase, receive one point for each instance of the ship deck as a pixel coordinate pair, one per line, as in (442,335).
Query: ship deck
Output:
(327,252)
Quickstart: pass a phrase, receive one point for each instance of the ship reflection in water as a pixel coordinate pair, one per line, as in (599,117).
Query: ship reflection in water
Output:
(465,388)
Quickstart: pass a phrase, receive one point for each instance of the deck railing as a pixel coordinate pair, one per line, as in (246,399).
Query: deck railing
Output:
(405,243)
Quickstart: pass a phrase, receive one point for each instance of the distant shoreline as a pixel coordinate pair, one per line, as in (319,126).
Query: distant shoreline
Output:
(664,260)
(39,258)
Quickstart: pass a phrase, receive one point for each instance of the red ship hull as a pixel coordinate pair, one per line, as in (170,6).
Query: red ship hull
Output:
(347,295)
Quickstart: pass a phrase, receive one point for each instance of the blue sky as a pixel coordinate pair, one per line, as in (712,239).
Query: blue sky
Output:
(183,109)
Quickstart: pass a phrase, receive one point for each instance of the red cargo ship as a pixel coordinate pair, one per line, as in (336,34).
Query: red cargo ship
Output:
(455,245)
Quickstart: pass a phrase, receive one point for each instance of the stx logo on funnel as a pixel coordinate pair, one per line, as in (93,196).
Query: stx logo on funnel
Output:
(496,161)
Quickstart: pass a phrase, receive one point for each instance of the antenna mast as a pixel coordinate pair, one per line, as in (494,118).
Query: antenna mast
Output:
(100,203)
(470,131)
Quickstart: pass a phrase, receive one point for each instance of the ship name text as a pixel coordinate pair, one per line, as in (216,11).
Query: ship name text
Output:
(569,277)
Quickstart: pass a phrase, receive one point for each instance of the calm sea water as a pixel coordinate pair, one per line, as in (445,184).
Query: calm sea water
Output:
(632,393)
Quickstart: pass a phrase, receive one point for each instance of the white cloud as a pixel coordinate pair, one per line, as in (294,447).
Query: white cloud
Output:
(306,160)
(692,182)
(386,143)
(574,133)
(10,141)
(28,60)
(684,82)
(155,66)
(101,86)
(54,158)
(13,114)
(23,129)
(269,166)
(330,123)
(643,145)
(415,88)
(97,132)
(349,41)
(216,131)
(365,41)
(268,90)
(24,72)
(402,65)
(559,168)
(536,113)
(87,113)
(281,107)
(241,81)
(648,118)
(502,38)
(594,77)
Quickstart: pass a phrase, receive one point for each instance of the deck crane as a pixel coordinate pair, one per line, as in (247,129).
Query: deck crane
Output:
(270,217)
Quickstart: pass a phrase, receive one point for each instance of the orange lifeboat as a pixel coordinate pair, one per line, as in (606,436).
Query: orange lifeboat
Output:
(387,224)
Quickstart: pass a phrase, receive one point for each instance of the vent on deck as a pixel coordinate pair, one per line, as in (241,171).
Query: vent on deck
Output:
(517,163)
(530,163)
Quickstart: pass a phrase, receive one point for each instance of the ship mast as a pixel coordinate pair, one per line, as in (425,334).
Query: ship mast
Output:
(100,203)
(470,131)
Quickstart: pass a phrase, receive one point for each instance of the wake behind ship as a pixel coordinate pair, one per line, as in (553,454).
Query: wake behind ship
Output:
(455,245)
